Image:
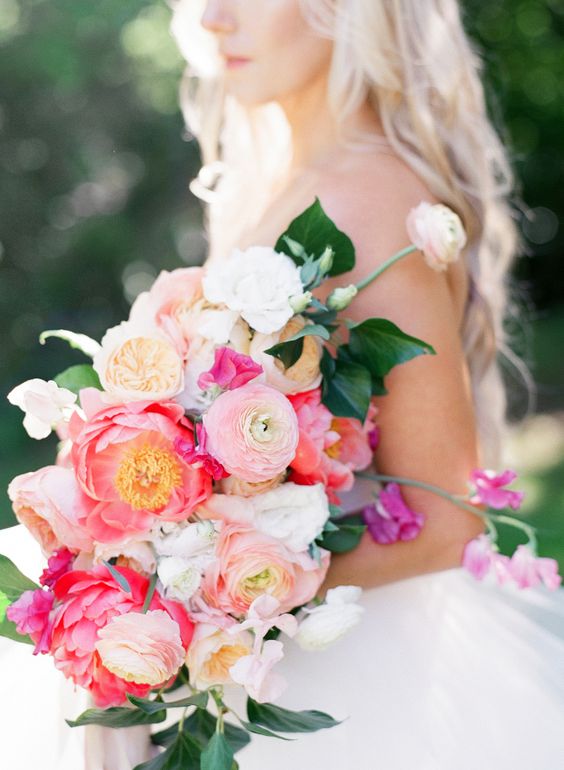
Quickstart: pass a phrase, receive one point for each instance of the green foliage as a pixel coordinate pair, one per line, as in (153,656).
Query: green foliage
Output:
(199,699)
(183,754)
(345,538)
(218,754)
(116,717)
(278,718)
(201,725)
(291,349)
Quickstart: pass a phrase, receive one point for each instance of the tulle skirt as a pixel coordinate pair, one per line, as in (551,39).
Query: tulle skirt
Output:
(442,673)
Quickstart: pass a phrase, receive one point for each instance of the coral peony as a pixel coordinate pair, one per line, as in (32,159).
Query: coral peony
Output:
(252,431)
(126,463)
(89,600)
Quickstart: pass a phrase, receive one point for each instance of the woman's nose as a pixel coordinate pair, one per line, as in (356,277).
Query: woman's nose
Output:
(217,17)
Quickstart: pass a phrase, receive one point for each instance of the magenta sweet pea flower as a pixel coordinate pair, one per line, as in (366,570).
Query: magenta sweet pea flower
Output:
(529,571)
(193,454)
(230,370)
(478,556)
(390,519)
(59,563)
(31,614)
(490,489)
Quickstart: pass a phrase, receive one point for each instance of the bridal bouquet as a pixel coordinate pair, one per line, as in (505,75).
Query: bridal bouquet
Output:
(191,514)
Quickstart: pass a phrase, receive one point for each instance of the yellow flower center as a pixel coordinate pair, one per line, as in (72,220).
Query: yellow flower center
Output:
(259,582)
(146,477)
(216,668)
(334,450)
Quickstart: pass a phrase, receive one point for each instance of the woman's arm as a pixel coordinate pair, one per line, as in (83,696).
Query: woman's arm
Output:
(427,423)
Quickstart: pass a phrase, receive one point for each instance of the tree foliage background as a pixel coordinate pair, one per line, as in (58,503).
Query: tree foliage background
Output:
(95,165)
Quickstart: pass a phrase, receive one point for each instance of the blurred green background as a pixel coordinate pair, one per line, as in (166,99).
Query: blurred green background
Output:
(94,201)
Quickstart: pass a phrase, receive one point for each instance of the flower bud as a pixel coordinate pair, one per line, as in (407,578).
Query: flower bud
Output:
(341,297)
(299,302)
(326,261)
(438,232)
(328,622)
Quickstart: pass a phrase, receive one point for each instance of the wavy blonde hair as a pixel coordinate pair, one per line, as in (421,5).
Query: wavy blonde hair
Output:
(415,64)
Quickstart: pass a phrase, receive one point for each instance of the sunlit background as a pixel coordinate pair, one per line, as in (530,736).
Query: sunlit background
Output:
(94,199)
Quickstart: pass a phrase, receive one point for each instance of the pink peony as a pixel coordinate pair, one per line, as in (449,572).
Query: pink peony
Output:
(32,615)
(89,600)
(330,448)
(126,463)
(390,520)
(490,489)
(252,432)
(250,563)
(230,370)
(50,504)
(169,304)
(57,565)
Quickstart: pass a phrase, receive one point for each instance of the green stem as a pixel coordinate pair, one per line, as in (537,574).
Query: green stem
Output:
(388,263)
(488,517)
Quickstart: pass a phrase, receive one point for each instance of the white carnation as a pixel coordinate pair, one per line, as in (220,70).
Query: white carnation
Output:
(328,622)
(292,513)
(258,284)
(189,542)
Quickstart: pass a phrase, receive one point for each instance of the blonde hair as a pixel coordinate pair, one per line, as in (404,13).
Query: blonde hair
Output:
(414,62)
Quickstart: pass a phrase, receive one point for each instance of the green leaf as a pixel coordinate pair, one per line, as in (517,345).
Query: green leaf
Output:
(183,754)
(348,390)
(118,577)
(4,604)
(77,377)
(314,230)
(7,628)
(291,349)
(201,726)
(346,539)
(200,699)
(278,718)
(12,582)
(150,592)
(218,754)
(117,717)
(379,345)
(81,342)
(258,730)
(330,526)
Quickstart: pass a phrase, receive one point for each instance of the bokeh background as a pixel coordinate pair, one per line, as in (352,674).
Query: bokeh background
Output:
(94,201)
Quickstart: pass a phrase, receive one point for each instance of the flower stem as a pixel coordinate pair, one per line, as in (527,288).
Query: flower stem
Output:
(488,516)
(388,263)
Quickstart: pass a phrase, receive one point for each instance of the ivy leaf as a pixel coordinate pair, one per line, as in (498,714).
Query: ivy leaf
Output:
(77,377)
(345,539)
(81,342)
(200,699)
(117,716)
(218,754)
(278,718)
(291,349)
(347,391)
(183,754)
(201,726)
(314,230)
(379,345)
(258,730)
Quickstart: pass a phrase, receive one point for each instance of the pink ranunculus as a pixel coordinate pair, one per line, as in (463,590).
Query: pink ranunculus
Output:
(254,673)
(438,232)
(32,615)
(126,463)
(330,448)
(529,571)
(390,519)
(250,563)
(478,556)
(88,601)
(50,504)
(57,565)
(490,489)
(169,305)
(197,454)
(252,431)
(230,370)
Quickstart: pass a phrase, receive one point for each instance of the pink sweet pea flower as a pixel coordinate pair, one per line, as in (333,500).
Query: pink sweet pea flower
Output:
(195,454)
(262,616)
(32,615)
(490,489)
(529,571)
(254,673)
(478,556)
(88,601)
(57,565)
(390,519)
(126,464)
(230,370)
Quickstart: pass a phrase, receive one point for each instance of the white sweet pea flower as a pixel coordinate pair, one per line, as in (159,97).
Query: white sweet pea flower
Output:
(45,404)
(180,577)
(258,284)
(292,513)
(328,622)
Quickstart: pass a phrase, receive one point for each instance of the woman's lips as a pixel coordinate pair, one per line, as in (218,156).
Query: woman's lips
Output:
(235,62)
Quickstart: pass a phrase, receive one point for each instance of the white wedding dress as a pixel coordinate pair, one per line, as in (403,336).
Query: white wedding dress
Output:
(442,673)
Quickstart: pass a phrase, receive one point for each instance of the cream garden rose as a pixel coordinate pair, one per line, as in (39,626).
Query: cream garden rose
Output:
(212,652)
(258,284)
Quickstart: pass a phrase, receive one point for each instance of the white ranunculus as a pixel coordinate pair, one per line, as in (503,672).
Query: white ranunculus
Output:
(180,577)
(292,513)
(328,622)
(194,540)
(258,284)
(44,403)
(438,232)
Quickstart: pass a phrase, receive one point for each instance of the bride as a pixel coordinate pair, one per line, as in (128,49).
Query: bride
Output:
(372,106)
